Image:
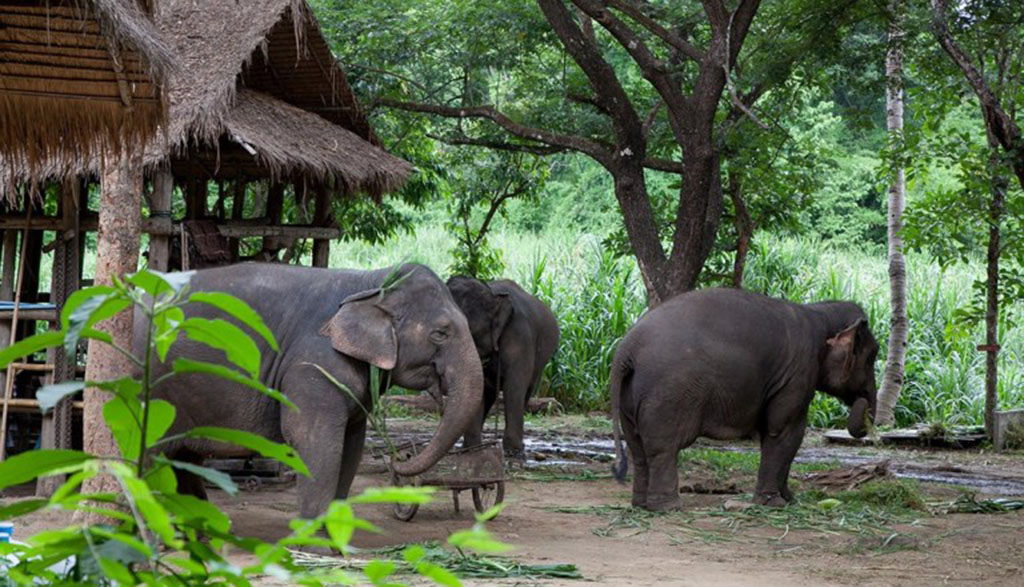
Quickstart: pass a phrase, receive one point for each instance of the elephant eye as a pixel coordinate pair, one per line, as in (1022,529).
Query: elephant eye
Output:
(439,336)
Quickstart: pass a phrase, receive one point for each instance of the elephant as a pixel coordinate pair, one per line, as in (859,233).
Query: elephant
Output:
(343,321)
(515,335)
(726,364)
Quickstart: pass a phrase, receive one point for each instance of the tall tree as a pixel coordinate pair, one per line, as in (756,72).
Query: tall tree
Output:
(892,380)
(117,254)
(994,75)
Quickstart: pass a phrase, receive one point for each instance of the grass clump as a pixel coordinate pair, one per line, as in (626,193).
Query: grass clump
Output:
(464,565)
(893,494)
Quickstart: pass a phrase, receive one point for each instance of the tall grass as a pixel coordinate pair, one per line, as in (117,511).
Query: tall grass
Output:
(597,297)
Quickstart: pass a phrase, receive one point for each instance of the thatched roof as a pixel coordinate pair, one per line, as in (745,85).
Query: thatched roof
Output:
(257,93)
(76,75)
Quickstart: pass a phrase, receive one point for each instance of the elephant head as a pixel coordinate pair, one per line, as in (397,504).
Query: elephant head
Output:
(414,329)
(488,312)
(848,373)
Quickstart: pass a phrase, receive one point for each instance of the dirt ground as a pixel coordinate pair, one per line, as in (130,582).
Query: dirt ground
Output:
(699,546)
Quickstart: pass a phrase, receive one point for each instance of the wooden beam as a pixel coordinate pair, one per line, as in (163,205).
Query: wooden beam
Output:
(160,217)
(232,230)
(322,217)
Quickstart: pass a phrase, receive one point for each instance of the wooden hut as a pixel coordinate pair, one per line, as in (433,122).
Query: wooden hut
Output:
(71,72)
(257,104)
(77,78)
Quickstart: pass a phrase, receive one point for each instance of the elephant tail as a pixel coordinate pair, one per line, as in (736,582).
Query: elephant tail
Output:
(620,371)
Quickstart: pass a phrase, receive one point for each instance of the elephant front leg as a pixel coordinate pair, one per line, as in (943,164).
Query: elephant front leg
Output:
(352,455)
(777,453)
(516,386)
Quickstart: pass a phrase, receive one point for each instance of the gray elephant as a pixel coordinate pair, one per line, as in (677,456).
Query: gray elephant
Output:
(342,321)
(515,335)
(726,363)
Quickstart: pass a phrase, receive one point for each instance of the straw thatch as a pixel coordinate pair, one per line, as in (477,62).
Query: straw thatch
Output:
(256,94)
(76,76)
(272,137)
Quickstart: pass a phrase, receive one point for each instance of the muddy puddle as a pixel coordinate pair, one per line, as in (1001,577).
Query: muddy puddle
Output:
(568,453)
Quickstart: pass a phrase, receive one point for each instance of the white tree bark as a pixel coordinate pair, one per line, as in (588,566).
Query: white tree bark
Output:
(892,380)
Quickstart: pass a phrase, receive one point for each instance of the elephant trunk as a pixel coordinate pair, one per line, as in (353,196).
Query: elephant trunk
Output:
(463,382)
(860,411)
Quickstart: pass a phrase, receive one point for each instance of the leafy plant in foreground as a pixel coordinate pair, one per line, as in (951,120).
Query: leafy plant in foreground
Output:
(151,533)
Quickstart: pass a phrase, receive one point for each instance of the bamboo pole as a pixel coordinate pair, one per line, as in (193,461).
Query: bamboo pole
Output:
(9,382)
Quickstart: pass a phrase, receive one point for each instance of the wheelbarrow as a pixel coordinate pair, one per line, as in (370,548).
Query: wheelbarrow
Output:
(480,469)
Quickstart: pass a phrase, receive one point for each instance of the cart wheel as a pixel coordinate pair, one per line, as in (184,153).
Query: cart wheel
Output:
(487,496)
(404,511)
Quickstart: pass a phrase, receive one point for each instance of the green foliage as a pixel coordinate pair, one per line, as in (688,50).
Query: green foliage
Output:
(486,186)
(151,533)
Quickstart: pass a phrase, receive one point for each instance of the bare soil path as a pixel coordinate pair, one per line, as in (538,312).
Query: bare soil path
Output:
(563,508)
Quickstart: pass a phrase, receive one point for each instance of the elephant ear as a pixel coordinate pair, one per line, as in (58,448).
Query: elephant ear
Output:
(842,349)
(363,330)
(500,318)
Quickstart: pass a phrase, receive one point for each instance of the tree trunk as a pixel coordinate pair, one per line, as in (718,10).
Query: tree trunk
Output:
(117,253)
(892,380)
(996,207)
(744,229)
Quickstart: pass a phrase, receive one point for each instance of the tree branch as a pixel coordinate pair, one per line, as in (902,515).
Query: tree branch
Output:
(498,145)
(1000,126)
(637,15)
(576,143)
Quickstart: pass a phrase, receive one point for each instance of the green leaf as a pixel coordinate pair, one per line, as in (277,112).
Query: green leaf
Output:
(272,450)
(30,345)
(490,513)
(183,365)
(341,523)
(161,478)
(156,283)
(20,508)
(198,512)
(477,539)
(116,572)
(221,480)
(89,312)
(437,574)
(166,324)
(240,310)
(50,395)
(38,463)
(414,553)
(124,418)
(156,516)
(77,298)
(223,335)
(407,495)
(378,570)
(125,387)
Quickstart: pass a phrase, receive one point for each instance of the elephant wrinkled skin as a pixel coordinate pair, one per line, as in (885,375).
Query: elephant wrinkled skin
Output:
(725,363)
(515,335)
(343,322)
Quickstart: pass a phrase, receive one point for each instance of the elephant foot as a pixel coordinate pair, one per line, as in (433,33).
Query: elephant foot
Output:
(639,501)
(669,503)
(772,500)
(515,454)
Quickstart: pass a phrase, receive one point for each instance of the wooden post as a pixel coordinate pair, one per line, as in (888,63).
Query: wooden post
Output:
(237,211)
(7,294)
(322,217)
(7,277)
(56,427)
(195,199)
(160,213)
(275,206)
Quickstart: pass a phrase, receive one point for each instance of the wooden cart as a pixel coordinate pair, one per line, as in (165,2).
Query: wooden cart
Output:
(480,469)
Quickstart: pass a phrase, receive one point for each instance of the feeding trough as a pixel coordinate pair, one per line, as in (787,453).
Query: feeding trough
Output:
(479,469)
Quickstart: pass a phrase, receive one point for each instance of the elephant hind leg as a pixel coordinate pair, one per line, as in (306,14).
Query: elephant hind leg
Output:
(189,483)
(641,468)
